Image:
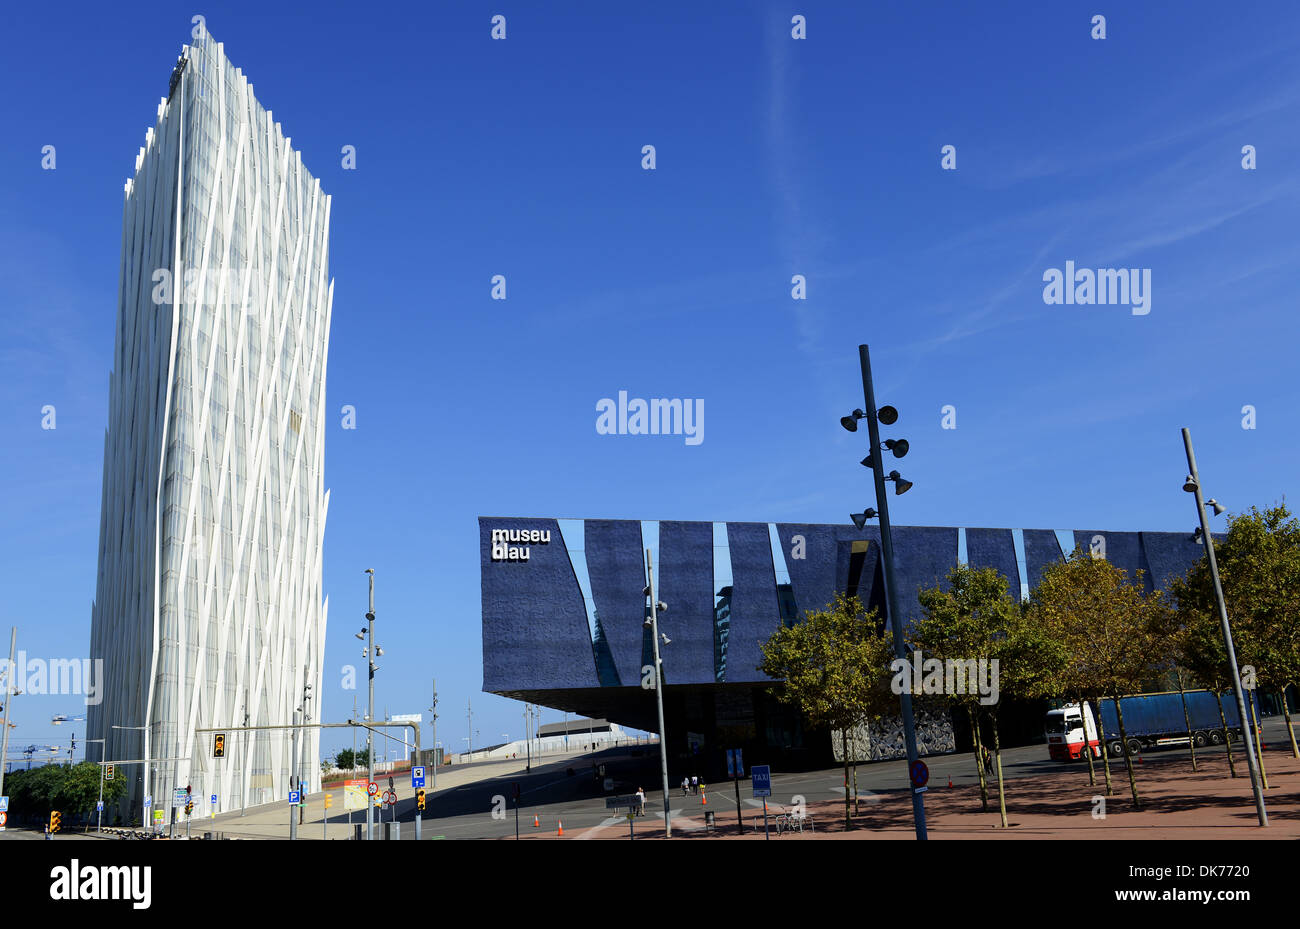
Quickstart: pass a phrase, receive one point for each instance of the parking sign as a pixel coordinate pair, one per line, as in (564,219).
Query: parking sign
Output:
(417,776)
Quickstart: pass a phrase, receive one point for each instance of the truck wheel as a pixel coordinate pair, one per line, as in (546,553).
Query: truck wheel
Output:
(1198,739)
(1116,748)
(1134,746)
(1216,737)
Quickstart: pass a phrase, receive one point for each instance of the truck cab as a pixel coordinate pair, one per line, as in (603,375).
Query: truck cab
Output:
(1065,730)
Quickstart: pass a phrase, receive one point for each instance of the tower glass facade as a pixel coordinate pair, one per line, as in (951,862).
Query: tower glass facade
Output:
(209,609)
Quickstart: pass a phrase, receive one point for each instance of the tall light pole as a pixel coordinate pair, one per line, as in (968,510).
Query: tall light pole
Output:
(876,463)
(300,756)
(1193,485)
(469,714)
(433,710)
(655,607)
(244,753)
(8,694)
(370,717)
(144,819)
(99,807)
(528,742)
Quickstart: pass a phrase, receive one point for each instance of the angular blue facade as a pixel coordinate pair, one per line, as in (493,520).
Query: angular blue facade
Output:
(538,643)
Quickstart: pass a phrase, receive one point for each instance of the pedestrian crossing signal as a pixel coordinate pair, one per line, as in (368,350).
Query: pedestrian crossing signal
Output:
(219,745)
(419,798)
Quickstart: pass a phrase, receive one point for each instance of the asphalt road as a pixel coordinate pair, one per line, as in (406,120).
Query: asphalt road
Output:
(578,800)
(476,801)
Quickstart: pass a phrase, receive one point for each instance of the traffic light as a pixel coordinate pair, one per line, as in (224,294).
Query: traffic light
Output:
(56,821)
(108,772)
(419,798)
(329,801)
(189,808)
(219,745)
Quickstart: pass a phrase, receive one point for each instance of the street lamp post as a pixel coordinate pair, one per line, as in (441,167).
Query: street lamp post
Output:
(659,687)
(876,463)
(434,711)
(1193,486)
(8,694)
(370,717)
(99,807)
(144,821)
(528,742)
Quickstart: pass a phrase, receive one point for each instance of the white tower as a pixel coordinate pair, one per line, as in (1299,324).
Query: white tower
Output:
(209,607)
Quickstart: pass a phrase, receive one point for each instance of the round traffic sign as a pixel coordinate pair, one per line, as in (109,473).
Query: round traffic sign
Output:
(372,788)
(4,817)
(390,797)
(919,773)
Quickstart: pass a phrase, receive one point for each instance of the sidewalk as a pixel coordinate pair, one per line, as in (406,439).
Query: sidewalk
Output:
(1176,803)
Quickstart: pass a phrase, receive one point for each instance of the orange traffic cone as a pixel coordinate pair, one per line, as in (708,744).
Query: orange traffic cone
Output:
(536,822)
(949,780)
(704,799)
(561,822)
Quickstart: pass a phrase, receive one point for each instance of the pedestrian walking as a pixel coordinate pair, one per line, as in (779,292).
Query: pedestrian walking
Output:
(695,784)
(686,785)
(640,801)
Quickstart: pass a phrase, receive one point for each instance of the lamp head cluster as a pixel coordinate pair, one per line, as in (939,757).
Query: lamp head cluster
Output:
(886,416)
(860,519)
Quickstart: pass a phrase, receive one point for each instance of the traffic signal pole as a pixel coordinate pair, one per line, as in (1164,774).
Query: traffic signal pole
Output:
(351,723)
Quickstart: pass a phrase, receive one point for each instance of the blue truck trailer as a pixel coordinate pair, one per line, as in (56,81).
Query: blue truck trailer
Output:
(1150,720)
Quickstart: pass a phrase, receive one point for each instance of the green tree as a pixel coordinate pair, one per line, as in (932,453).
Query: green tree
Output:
(72,790)
(347,758)
(960,620)
(1113,635)
(1259,568)
(835,668)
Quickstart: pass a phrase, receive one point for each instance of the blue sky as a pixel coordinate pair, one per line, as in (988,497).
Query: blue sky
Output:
(775,157)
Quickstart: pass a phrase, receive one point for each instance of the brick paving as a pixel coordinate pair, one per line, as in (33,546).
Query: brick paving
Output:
(1176,803)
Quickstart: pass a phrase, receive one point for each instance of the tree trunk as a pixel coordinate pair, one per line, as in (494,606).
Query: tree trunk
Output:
(1087,750)
(1290,726)
(1128,756)
(979,756)
(1254,733)
(1227,737)
(1187,719)
(844,744)
(997,758)
(1105,752)
(854,742)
